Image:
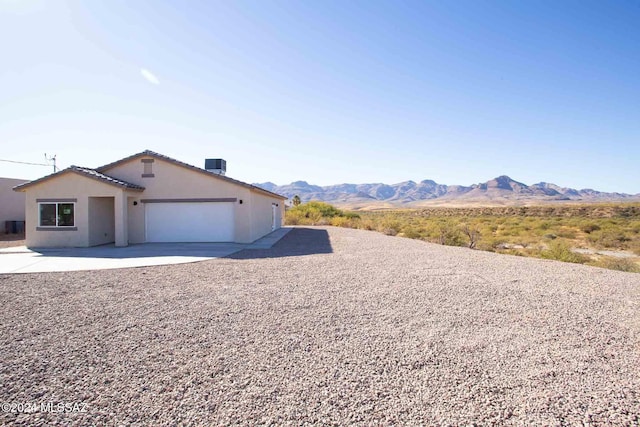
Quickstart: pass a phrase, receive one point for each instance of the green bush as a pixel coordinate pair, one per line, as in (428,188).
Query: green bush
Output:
(448,233)
(312,213)
(560,250)
(411,233)
(325,209)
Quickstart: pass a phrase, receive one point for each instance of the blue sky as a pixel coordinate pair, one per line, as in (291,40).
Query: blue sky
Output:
(329,92)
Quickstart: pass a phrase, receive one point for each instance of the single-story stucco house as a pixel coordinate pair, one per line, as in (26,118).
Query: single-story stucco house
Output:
(11,203)
(147,197)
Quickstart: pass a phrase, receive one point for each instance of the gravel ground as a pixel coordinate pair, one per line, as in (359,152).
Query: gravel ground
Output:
(331,326)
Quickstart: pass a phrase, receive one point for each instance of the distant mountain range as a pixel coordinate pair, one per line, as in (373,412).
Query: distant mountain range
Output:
(499,191)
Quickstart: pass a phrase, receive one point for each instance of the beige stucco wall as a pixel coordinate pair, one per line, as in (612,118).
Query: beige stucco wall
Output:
(65,186)
(262,214)
(101,220)
(136,219)
(12,203)
(171,181)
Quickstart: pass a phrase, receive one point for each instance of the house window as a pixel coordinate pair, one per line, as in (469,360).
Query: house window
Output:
(57,214)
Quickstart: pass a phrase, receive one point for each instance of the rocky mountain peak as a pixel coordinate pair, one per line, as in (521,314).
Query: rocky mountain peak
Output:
(502,189)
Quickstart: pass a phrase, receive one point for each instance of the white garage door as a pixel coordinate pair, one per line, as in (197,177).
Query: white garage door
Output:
(189,222)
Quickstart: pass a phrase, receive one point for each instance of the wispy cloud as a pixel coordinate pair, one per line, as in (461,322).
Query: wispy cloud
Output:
(149,76)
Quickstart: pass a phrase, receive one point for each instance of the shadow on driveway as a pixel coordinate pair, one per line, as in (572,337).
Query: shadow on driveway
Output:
(145,250)
(298,242)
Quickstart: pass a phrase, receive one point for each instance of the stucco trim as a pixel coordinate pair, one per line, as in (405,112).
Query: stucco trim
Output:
(56,228)
(227,199)
(56,200)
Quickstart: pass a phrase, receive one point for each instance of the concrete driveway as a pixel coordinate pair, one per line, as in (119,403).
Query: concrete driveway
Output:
(24,260)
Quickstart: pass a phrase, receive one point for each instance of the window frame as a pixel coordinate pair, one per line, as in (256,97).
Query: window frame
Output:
(57,226)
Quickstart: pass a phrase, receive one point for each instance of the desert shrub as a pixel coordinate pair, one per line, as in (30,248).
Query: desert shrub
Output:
(366,224)
(389,225)
(449,234)
(567,233)
(509,230)
(491,244)
(620,264)
(411,232)
(608,238)
(561,251)
(492,228)
(589,227)
(325,209)
(544,225)
(312,213)
(314,216)
(294,217)
(341,221)
(472,233)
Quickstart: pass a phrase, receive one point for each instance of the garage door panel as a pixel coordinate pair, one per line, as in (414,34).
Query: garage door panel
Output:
(189,222)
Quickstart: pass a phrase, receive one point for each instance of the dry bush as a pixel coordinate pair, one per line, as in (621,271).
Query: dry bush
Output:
(389,225)
(472,233)
(366,224)
(341,221)
(620,264)
(589,227)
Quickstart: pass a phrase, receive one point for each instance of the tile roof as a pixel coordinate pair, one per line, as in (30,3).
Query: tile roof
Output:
(92,173)
(88,172)
(188,166)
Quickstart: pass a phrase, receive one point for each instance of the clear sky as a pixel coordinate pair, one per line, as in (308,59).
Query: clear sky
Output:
(329,91)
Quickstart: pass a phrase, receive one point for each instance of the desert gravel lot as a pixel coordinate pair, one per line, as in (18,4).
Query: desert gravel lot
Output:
(331,326)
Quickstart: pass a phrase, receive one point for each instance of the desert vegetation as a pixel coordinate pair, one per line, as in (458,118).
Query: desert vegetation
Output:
(602,235)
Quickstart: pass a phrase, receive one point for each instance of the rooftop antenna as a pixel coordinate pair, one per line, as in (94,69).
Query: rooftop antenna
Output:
(53,160)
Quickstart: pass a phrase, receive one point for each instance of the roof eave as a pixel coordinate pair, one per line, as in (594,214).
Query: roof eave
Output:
(149,153)
(268,193)
(114,184)
(23,187)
